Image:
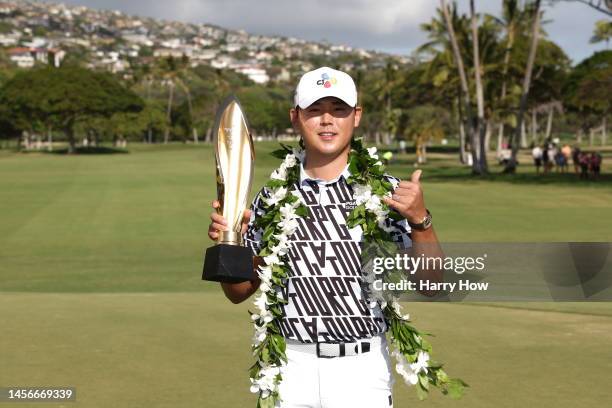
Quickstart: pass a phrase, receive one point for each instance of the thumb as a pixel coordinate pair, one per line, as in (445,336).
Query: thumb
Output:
(416,176)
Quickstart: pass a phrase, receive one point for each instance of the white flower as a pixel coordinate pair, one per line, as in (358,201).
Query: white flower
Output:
(283,245)
(381,219)
(290,160)
(288,226)
(397,308)
(362,193)
(265,286)
(300,199)
(271,259)
(421,363)
(279,174)
(260,333)
(266,382)
(265,274)
(277,195)
(261,302)
(404,369)
(372,152)
(373,203)
(299,154)
(288,211)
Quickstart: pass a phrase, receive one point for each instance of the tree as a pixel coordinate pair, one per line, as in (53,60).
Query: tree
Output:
(62,96)
(440,82)
(7,124)
(384,88)
(511,20)
(480,124)
(535,33)
(464,86)
(587,92)
(266,108)
(425,123)
(602,32)
(154,119)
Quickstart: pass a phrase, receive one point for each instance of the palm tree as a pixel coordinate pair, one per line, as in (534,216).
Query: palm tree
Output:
(175,74)
(185,88)
(602,32)
(481,125)
(441,68)
(535,34)
(512,16)
(384,93)
(476,164)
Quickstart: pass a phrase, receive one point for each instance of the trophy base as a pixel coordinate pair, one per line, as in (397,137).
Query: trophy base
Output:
(228,263)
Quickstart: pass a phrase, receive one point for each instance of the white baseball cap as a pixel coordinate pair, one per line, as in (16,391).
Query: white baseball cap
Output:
(323,82)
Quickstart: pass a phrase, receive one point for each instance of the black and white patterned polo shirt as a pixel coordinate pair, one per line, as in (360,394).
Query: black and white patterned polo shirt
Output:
(325,297)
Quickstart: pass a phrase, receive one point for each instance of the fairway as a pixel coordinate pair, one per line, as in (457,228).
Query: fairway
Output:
(165,350)
(100,283)
(137,222)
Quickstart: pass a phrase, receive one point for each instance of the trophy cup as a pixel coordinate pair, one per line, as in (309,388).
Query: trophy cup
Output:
(228,260)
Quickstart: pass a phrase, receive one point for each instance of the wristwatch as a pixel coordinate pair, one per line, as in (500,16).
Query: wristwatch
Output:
(423,225)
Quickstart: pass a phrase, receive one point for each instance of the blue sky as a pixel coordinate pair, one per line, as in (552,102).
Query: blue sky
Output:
(391,26)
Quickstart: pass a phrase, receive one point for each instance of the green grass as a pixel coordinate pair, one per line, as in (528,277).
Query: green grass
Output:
(100,288)
(192,350)
(138,221)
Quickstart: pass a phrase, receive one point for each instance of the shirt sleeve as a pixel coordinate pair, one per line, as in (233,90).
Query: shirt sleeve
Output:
(400,232)
(252,237)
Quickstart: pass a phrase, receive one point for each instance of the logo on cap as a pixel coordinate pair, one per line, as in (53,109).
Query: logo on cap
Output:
(326,80)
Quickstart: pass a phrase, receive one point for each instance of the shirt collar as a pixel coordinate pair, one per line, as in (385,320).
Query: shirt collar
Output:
(305,177)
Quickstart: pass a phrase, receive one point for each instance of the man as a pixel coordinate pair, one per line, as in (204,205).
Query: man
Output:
(536,153)
(336,348)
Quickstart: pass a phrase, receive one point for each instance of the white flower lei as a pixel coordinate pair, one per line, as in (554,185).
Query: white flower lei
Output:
(280,222)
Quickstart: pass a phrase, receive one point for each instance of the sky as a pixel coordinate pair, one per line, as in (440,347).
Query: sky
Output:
(381,25)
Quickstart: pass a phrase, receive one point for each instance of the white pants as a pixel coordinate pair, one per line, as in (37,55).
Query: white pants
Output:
(359,381)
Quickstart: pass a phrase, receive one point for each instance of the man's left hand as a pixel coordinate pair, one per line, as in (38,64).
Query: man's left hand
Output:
(407,199)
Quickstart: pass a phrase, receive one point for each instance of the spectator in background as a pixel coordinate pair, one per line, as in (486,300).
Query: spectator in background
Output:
(560,162)
(552,153)
(537,153)
(567,152)
(402,146)
(545,159)
(584,161)
(595,164)
(576,158)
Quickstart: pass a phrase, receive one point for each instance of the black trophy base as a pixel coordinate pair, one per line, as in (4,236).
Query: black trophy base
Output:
(228,263)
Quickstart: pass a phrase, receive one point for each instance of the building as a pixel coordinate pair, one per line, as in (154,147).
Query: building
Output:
(26,57)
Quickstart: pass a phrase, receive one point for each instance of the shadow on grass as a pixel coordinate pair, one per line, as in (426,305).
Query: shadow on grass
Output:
(91,150)
(568,179)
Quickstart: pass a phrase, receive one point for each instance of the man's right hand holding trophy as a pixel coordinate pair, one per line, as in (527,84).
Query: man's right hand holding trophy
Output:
(236,292)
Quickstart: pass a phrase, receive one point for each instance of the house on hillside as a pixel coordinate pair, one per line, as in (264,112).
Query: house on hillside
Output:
(26,57)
